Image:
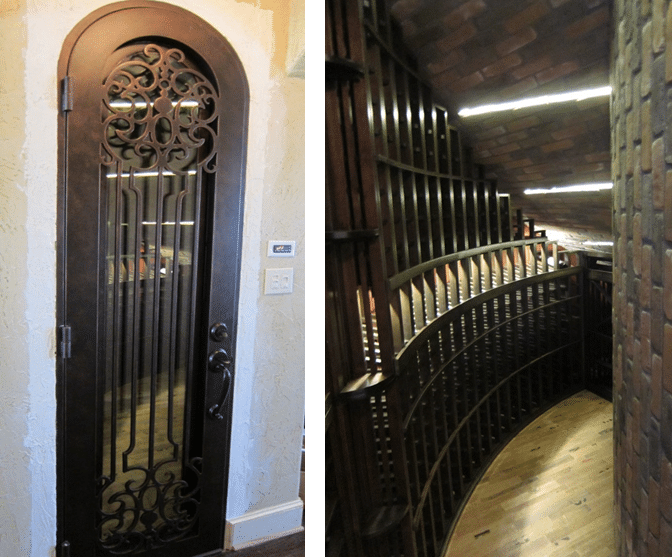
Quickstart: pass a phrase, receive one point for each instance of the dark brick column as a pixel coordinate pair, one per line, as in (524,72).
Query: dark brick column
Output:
(641,122)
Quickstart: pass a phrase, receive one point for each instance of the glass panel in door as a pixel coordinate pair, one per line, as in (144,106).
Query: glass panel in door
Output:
(158,118)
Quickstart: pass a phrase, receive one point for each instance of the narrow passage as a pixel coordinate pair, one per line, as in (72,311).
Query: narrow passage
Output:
(549,492)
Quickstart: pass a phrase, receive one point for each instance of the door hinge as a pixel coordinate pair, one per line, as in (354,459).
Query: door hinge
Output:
(66,343)
(66,94)
(65,549)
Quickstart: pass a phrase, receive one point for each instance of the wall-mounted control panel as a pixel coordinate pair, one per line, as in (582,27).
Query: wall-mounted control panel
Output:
(277,248)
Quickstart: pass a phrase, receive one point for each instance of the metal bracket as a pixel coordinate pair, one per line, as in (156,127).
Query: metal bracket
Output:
(66,342)
(67,94)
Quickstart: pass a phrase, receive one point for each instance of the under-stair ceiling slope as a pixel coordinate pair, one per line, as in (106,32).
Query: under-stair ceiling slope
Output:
(476,52)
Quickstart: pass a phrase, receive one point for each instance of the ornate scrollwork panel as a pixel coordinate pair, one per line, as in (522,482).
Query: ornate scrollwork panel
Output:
(149,510)
(158,112)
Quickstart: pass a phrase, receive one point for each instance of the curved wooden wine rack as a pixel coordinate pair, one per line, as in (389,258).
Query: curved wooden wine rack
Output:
(447,331)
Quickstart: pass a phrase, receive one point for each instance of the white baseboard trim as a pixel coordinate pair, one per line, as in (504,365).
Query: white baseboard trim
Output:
(261,526)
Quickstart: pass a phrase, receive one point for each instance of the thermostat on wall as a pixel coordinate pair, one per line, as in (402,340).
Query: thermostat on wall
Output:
(281,249)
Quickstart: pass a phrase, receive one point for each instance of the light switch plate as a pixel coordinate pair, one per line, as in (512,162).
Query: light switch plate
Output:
(279,281)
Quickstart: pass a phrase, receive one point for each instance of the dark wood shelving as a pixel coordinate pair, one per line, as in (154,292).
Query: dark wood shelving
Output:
(342,69)
(385,520)
(445,335)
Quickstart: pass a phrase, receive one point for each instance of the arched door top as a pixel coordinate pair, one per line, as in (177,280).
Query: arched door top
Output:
(184,25)
(152,145)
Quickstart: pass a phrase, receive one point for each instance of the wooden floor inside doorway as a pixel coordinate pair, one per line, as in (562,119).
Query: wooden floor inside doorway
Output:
(287,546)
(549,492)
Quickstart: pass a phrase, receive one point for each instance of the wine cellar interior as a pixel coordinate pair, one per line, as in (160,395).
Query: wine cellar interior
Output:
(452,317)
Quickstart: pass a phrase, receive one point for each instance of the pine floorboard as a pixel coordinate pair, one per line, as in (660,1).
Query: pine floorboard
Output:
(549,492)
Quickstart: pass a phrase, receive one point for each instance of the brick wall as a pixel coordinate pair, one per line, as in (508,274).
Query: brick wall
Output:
(641,123)
(475,52)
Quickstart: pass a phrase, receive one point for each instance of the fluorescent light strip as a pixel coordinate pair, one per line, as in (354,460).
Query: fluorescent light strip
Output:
(153,223)
(143,104)
(150,174)
(571,189)
(538,101)
(594,243)
(183,222)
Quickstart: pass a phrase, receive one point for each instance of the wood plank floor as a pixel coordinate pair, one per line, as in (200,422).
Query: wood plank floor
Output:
(549,492)
(288,546)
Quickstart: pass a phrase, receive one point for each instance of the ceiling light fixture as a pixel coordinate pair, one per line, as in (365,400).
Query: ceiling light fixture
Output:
(596,243)
(143,104)
(571,189)
(538,101)
(150,174)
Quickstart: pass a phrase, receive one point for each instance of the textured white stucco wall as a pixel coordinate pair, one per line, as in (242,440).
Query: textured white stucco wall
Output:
(15,507)
(274,397)
(268,397)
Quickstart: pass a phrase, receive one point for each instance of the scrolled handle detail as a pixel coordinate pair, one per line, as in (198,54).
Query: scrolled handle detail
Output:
(215,411)
(219,360)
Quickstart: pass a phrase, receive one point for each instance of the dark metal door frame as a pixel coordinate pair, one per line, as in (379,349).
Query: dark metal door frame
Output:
(85,59)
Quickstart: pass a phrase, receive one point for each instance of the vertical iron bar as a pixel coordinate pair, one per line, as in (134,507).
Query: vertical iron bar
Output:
(174,333)
(135,372)
(156,319)
(195,290)
(116,325)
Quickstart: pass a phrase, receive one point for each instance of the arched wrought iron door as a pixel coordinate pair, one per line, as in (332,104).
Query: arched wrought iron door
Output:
(153,139)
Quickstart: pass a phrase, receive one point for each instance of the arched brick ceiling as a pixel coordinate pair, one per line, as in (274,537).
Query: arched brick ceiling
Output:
(476,52)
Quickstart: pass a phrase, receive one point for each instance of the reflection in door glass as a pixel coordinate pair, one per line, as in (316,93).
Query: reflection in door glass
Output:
(158,114)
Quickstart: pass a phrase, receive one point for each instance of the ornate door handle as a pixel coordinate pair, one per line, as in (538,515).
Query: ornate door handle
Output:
(215,411)
(219,362)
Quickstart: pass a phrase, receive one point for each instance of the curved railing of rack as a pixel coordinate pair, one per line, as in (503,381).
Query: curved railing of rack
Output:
(494,340)
(422,293)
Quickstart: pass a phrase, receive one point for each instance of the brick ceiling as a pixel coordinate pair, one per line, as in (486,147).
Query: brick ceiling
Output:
(476,52)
